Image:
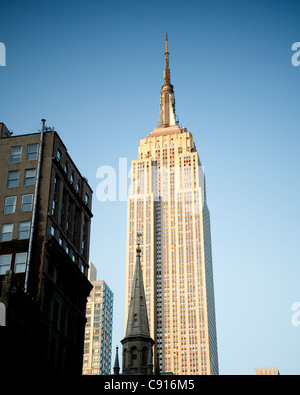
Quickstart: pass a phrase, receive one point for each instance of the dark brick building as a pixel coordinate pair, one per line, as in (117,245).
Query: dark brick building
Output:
(45,215)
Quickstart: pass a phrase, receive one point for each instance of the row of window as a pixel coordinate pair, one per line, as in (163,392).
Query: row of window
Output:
(7,231)
(19,266)
(66,170)
(13,178)
(16,153)
(11,202)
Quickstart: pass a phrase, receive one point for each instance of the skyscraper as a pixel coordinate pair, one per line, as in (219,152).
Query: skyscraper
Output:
(98,328)
(45,216)
(167,206)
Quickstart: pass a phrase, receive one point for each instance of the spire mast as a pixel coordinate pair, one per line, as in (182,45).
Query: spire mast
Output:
(167,115)
(167,70)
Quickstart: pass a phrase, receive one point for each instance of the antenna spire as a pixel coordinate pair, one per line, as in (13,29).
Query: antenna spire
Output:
(167,115)
(167,70)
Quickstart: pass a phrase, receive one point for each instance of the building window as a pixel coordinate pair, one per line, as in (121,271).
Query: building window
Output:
(58,155)
(86,200)
(26,204)
(10,204)
(20,262)
(78,187)
(23,232)
(55,184)
(5,261)
(144,356)
(72,178)
(53,207)
(32,151)
(66,168)
(52,231)
(29,177)
(134,354)
(6,232)
(15,154)
(13,179)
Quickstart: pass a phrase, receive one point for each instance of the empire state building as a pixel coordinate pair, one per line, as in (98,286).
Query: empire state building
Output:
(168,211)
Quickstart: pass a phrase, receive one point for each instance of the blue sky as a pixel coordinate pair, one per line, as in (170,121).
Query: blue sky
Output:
(94,71)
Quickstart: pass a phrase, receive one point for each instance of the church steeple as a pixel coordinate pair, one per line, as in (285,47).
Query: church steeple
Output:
(167,115)
(137,343)
(116,365)
(137,324)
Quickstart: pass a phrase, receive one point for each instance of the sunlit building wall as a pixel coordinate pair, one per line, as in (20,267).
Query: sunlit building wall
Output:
(98,330)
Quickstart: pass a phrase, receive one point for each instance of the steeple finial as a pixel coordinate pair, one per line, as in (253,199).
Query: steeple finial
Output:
(116,365)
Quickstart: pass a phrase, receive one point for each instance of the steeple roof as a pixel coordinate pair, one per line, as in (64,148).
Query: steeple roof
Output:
(137,324)
(116,365)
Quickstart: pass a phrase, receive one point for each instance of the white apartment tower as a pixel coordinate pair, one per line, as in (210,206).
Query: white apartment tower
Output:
(98,328)
(167,209)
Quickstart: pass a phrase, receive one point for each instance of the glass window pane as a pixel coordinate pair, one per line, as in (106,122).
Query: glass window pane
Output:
(15,154)
(23,232)
(32,151)
(6,232)
(26,203)
(5,261)
(13,179)
(10,204)
(20,262)
(29,177)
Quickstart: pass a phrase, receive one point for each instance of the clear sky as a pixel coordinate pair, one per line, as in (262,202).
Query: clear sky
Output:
(94,70)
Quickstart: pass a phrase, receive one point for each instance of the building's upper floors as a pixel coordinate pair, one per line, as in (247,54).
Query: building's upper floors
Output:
(63,199)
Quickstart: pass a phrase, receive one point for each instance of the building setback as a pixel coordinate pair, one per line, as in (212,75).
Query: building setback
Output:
(167,206)
(45,215)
